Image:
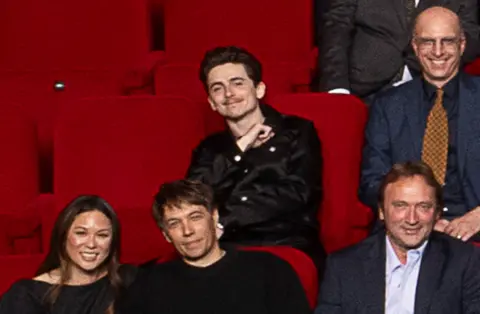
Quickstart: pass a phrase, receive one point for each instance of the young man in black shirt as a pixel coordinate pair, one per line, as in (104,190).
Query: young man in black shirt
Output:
(265,168)
(208,278)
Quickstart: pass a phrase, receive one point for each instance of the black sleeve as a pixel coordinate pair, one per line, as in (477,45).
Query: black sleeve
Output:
(213,168)
(19,299)
(329,299)
(376,159)
(333,60)
(468,15)
(285,292)
(254,202)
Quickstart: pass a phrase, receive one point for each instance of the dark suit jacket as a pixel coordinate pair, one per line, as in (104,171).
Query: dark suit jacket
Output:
(448,281)
(365,42)
(394,134)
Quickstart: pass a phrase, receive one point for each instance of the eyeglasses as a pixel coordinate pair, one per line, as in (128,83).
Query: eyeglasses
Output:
(425,43)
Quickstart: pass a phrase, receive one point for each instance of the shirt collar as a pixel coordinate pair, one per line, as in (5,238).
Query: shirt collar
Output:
(273,119)
(392,260)
(450,89)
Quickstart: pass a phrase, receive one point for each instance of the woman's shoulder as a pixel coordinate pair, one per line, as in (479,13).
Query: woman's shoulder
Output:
(22,294)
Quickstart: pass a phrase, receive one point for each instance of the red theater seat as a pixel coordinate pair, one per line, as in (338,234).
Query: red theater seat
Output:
(18,176)
(340,121)
(301,263)
(35,93)
(473,68)
(275,31)
(123,148)
(57,34)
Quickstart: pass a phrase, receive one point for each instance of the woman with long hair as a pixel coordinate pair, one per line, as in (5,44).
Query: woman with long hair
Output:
(81,273)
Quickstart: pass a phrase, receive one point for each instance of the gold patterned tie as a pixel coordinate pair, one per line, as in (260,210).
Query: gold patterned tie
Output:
(435,140)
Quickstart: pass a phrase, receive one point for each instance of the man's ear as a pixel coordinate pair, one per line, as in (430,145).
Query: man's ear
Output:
(215,216)
(260,90)
(212,104)
(381,216)
(166,236)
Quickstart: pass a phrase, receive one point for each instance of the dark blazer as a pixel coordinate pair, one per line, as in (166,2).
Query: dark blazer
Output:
(366,42)
(394,134)
(448,281)
(268,195)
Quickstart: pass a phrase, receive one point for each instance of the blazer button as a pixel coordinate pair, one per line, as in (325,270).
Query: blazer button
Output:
(237,158)
(273,148)
(245,171)
(445,209)
(244,198)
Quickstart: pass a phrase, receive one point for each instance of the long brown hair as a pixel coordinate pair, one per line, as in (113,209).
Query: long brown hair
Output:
(57,257)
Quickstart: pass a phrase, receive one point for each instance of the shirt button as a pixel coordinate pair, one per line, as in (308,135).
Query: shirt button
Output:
(243,198)
(445,209)
(237,158)
(273,148)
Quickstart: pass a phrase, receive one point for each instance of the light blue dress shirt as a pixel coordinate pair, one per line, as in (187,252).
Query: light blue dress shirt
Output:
(401,280)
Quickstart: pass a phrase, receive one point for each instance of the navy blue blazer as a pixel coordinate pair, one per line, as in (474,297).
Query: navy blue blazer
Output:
(394,134)
(448,281)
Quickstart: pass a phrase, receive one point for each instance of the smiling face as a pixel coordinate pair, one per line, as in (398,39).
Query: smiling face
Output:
(438,43)
(409,212)
(192,230)
(89,240)
(232,93)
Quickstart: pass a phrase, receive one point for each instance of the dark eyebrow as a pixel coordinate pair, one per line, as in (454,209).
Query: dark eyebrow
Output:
(214,84)
(236,79)
(195,212)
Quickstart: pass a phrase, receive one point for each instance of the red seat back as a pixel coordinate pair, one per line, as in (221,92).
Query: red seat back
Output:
(123,148)
(340,121)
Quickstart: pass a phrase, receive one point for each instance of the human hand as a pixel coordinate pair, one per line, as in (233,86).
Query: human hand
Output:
(465,227)
(256,136)
(440,225)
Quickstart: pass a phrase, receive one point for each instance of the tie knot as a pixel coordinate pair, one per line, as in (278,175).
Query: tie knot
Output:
(439,94)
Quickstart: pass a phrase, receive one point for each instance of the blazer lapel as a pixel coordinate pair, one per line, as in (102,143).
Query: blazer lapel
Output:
(413,110)
(429,276)
(374,267)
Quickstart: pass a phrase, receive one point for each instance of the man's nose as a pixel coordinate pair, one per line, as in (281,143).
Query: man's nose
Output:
(411,216)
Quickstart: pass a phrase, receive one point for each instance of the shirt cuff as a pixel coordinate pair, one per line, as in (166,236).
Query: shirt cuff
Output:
(339,91)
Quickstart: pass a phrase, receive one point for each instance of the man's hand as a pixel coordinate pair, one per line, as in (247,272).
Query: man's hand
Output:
(466,226)
(440,225)
(256,136)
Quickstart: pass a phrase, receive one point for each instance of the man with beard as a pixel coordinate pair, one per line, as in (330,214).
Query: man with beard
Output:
(209,278)
(265,168)
(406,268)
(435,119)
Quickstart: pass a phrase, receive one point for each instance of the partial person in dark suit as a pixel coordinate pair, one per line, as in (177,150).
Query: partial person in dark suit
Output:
(406,268)
(365,45)
(403,121)
(265,168)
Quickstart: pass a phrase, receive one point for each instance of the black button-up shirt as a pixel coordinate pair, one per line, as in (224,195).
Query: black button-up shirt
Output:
(452,190)
(268,195)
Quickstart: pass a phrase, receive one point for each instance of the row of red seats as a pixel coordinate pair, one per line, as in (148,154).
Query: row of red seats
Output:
(122,148)
(42,93)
